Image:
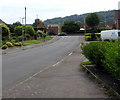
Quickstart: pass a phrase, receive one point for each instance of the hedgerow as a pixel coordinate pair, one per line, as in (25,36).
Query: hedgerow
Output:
(105,55)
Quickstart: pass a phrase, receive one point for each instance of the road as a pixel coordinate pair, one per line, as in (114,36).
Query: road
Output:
(20,65)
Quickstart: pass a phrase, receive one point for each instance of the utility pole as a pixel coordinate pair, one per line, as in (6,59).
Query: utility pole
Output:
(84,25)
(25,16)
(23,32)
(105,18)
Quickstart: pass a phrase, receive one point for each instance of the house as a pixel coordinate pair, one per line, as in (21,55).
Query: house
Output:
(117,19)
(54,28)
(2,22)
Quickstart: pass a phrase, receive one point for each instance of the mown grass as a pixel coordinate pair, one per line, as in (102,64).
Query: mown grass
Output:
(41,40)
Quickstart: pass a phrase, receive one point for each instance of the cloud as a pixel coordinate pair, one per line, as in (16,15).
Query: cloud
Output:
(12,10)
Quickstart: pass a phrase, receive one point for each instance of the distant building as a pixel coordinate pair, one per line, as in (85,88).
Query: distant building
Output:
(2,22)
(41,25)
(117,19)
(54,28)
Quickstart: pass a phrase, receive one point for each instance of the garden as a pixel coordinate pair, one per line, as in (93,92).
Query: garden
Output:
(22,35)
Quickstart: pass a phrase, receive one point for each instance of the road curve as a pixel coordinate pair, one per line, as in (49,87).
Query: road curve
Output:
(20,65)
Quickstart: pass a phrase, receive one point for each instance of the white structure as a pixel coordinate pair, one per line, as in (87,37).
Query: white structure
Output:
(110,34)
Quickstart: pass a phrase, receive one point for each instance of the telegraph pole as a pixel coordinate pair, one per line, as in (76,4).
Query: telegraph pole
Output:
(25,16)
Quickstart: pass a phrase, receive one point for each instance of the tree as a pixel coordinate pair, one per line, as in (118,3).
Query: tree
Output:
(37,21)
(5,32)
(18,30)
(12,26)
(92,20)
(70,26)
(29,30)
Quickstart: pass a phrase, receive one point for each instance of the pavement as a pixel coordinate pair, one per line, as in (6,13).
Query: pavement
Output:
(65,79)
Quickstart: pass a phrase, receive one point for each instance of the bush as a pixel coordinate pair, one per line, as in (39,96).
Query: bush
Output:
(94,36)
(9,44)
(29,30)
(88,38)
(19,38)
(5,32)
(4,46)
(18,44)
(104,55)
(44,35)
(18,30)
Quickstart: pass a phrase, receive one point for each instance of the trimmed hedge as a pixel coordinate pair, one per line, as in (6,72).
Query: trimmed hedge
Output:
(18,44)
(94,36)
(9,44)
(104,55)
(4,46)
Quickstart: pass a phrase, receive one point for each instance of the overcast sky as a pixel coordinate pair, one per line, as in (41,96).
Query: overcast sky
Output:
(13,10)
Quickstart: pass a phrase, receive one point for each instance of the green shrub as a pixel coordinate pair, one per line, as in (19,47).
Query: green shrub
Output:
(88,38)
(105,55)
(5,32)
(17,44)
(87,34)
(94,36)
(9,44)
(4,46)
(44,35)
(19,38)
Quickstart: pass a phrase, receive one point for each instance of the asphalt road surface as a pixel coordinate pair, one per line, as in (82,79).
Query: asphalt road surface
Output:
(20,65)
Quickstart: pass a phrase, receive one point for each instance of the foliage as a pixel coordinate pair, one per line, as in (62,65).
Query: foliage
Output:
(104,55)
(29,30)
(44,35)
(88,38)
(92,20)
(4,46)
(26,31)
(5,32)
(37,21)
(80,18)
(19,38)
(92,36)
(18,30)
(9,44)
(40,33)
(86,63)
(70,26)
(17,44)
(12,26)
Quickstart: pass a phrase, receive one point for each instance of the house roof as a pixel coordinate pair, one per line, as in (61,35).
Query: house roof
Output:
(40,25)
(2,22)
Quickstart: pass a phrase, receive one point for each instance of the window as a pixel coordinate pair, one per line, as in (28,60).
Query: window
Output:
(119,34)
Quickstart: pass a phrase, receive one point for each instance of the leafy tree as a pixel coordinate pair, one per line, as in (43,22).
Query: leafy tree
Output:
(18,30)
(37,21)
(5,32)
(29,30)
(70,26)
(12,26)
(92,20)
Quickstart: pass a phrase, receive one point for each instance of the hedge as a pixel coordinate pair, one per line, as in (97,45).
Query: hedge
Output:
(105,56)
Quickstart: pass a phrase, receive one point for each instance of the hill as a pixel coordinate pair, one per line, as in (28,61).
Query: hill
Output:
(80,18)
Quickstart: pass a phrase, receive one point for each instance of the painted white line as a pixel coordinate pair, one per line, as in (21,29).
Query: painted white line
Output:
(37,73)
(70,53)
